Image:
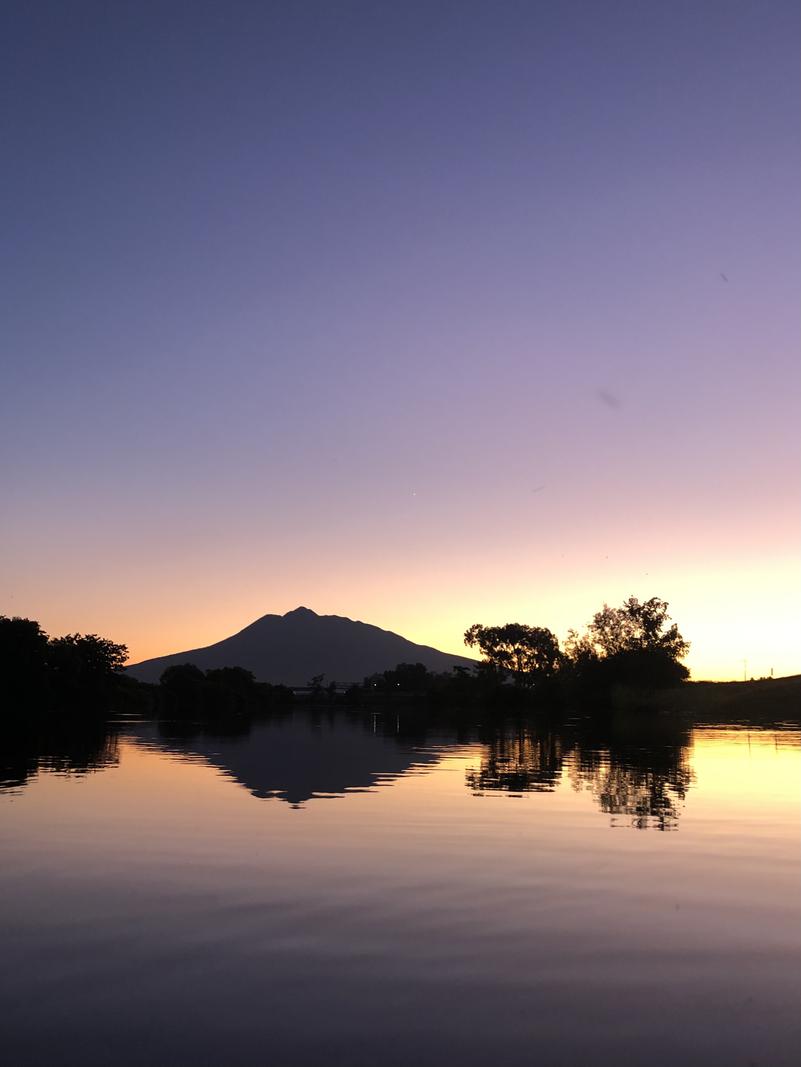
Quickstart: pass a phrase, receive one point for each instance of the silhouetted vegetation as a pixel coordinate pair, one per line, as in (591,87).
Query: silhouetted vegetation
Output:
(76,673)
(82,675)
(628,658)
(766,700)
(528,654)
(633,650)
(633,645)
(410,685)
(187,692)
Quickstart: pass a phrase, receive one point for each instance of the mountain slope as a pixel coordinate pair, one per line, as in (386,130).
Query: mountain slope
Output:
(292,648)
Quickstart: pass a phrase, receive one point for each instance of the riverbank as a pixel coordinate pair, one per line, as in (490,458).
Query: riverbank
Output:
(767,700)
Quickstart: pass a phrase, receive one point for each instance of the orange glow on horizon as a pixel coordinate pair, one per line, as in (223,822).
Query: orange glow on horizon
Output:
(752,622)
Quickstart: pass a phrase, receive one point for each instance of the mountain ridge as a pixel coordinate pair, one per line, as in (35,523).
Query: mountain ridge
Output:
(292,648)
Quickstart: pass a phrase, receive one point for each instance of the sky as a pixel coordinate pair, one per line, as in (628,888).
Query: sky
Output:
(425,314)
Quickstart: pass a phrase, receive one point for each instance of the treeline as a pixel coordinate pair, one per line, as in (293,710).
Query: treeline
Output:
(186,691)
(83,675)
(635,646)
(76,673)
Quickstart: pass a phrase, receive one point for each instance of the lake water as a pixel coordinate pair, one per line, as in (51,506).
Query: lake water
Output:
(339,889)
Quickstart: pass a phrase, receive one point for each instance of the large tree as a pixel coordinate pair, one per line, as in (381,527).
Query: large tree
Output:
(84,668)
(635,626)
(529,653)
(23,662)
(38,673)
(92,656)
(633,643)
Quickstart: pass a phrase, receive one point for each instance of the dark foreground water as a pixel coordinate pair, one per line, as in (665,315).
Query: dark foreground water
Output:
(358,890)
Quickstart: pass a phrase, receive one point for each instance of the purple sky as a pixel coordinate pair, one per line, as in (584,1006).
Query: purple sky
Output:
(425,314)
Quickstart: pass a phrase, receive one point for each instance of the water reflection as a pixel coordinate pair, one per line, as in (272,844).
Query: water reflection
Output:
(299,757)
(637,773)
(65,749)
(519,761)
(640,771)
(424,917)
(645,783)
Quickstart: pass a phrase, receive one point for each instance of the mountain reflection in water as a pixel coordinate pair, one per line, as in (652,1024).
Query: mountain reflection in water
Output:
(639,775)
(299,757)
(179,894)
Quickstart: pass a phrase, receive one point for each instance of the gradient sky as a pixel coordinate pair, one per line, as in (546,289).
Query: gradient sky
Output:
(421,313)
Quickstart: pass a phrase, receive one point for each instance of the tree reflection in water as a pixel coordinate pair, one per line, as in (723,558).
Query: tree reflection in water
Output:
(640,771)
(520,761)
(71,748)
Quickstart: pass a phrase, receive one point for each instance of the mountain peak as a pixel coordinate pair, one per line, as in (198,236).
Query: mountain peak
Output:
(291,648)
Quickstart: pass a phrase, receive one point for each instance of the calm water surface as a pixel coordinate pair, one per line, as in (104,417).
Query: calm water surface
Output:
(356,890)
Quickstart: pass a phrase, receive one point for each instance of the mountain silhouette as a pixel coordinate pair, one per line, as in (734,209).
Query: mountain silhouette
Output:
(293,648)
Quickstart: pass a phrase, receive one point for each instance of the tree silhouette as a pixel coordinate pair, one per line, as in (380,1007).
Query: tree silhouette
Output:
(316,686)
(83,668)
(230,690)
(636,627)
(409,678)
(75,671)
(87,654)
(635,643)
(529,653)
(182,687)
(23,661)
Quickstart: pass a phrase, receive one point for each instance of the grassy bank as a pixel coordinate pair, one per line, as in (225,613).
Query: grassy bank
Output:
(767,700)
